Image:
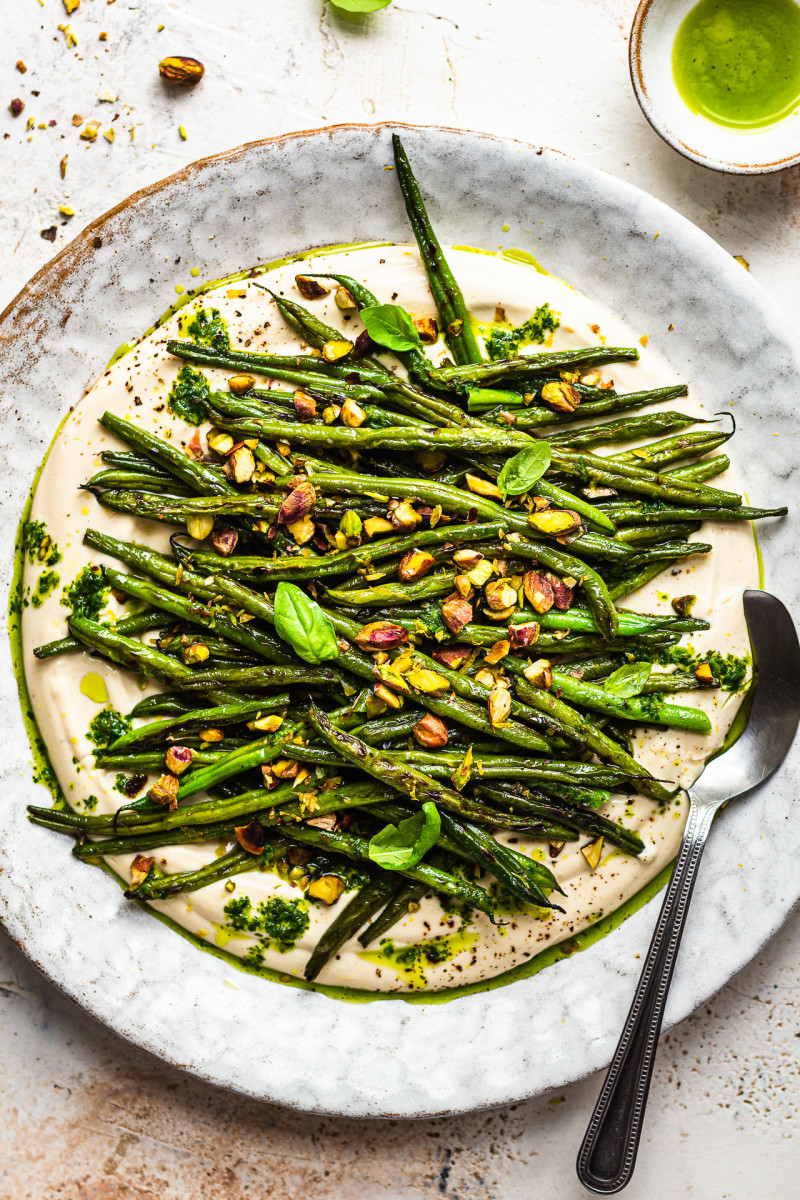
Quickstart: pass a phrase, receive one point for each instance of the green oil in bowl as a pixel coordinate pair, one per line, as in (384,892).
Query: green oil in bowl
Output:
(737,62)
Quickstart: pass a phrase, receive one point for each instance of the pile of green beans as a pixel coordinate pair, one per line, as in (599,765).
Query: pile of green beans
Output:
(473,646)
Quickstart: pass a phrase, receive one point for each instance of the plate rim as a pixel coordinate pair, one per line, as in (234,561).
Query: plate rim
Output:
(53,271)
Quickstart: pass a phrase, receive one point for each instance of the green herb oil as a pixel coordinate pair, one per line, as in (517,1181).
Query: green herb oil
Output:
(738,63)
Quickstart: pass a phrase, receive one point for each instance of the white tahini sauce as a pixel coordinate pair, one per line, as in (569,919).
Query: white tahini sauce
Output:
(137,386)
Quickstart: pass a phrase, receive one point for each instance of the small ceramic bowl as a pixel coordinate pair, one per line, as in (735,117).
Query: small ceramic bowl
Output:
(739,152)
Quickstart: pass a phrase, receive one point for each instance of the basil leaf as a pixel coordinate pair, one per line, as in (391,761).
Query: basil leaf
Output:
(360,6)
(398,846)
(628,680)
(301,622)
(524,470)
(390,325)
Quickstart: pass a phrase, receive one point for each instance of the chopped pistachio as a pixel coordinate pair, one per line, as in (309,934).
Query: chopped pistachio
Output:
(328,889)
(592,853)
(483,487)
(199,527)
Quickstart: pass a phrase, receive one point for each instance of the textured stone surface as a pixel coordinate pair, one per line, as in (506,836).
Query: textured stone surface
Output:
(117,1124)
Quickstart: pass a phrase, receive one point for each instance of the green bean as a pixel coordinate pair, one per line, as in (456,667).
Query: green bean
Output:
(456,318)
(160,887)
(676,682)
(481,440)
(540,417)
(597,741)
(357,848)
(488,635)
(706,468)
(647,535)
(442,766)
(648,711)
(294,567)
(597,594)
(277,808)
(310,328)
(256,678)
(634,580)
(144,480)
(176,509)
(632,512)
(255,754)
(565,499)
(415,361)
(626,430)
(135,656)
(165,704)
(407,895)
(220,714)
(388,594)
(129,460)
(527,879)
(408,780)
(200,477)
(375,731)
(671,449)
(150,760)
(624,477)
(668,552)
(535,364)
(574,818)
(597,546)
(369,901)
(279,366)
(137,844)
(128,627)
(629,622)
(189,609)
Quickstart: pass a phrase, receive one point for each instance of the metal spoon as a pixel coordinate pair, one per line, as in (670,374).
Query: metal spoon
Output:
(608,1153)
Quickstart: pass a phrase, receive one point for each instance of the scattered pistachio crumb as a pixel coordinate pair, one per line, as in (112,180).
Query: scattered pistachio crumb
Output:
(182,132)
(66,211)
(69,36)
(108,134)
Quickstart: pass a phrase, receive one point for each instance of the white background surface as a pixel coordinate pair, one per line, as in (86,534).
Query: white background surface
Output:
(84,1117)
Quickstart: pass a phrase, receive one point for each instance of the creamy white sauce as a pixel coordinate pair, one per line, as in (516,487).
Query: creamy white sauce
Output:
(138,385)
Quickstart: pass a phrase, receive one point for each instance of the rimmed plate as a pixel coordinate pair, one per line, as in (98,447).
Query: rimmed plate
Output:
(259,202)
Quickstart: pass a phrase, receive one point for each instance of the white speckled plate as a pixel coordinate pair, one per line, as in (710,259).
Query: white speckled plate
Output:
(254,204)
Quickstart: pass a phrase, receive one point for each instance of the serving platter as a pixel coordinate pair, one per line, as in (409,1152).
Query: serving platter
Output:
(260,202)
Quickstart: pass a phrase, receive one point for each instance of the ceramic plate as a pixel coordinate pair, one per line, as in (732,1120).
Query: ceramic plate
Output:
(714,325)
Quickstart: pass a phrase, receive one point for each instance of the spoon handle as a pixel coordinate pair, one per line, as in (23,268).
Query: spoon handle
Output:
(608,1153)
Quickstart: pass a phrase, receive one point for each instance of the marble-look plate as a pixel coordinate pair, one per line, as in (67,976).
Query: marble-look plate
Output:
(715,326)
